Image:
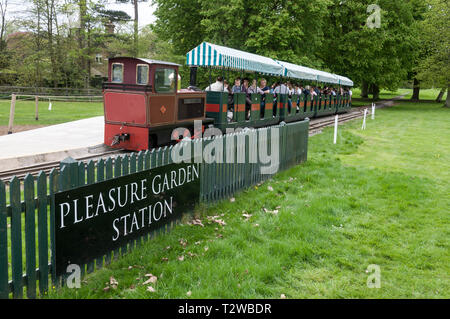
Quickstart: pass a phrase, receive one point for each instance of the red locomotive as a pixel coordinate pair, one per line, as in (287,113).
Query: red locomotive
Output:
(142,104)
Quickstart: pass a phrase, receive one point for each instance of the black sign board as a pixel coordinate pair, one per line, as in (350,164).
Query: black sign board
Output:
(93,220)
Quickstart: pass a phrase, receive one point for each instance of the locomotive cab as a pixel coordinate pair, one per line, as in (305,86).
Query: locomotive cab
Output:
(142,105)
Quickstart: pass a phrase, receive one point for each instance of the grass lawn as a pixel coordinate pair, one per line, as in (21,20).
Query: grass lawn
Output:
(61,112)
(384,94)
(425,94)
(380,196)
(430,94)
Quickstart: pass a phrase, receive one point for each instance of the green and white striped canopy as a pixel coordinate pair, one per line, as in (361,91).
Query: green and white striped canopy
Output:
(212,55)
(344,81)
(305,73)
(297,71)
(327,77)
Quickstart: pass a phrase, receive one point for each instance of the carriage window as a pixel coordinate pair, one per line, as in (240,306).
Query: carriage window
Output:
(142,74)
(165,80)
(117,72)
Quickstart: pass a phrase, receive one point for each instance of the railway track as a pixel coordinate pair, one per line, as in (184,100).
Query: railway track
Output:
(46,167)
(315,127)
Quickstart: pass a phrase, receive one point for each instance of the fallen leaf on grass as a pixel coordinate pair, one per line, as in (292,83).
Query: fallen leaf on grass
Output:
(232,199)
(197,222)
(247,216)
(270,188)
(181,258)
(151,280)
(216,219)
(220,222)
(283,296)
(189,293)
(151,289)
(113,282)
(183,242)
(165,259)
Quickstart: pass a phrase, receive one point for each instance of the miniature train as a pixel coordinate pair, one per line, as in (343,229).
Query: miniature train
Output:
(142,106)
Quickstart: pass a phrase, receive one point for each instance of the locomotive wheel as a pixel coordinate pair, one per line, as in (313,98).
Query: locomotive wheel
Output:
(152,141)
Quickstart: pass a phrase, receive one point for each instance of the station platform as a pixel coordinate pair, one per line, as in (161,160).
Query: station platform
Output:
(52,143)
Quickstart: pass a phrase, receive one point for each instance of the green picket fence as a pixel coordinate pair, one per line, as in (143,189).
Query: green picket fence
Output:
(27,212)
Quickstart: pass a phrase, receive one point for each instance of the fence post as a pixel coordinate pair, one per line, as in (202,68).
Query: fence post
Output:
(335,128)
(364,120)
(4,288)
(11,113)
(69,179)
(16,237)
(36,98)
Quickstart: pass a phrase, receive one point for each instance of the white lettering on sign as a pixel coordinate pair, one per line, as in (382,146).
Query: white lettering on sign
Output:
(110,201)
(137,220)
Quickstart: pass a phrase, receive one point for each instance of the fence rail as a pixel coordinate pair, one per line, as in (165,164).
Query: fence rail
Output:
(27,212)
(8,90)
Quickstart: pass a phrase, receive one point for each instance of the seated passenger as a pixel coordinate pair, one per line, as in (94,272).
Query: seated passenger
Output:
(248,102)
(254,89)
(218,86)
(281,88)
(306,90)
(290,88)
(313,93)
(317,91)
(333,92)
(230,102)
(272,87)
(263,86)
(237,86)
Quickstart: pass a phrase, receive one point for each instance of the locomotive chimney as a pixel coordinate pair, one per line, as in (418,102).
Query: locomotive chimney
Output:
(193,76)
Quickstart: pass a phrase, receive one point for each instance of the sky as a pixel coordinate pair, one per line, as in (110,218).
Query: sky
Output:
(19,8)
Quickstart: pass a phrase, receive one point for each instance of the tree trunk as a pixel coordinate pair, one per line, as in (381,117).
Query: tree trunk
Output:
(416,90)
(136,29)
(375,92)
(81,38)
(441,94)
(447,101)
(364,90)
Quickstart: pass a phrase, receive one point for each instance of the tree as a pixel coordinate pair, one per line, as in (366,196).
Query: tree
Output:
(135,24)
(179,21)
(281,29)
(374,56)
(434,68)
(3,9)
